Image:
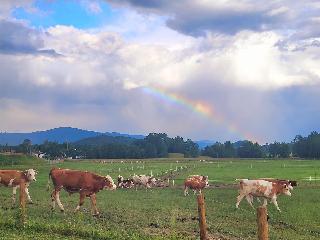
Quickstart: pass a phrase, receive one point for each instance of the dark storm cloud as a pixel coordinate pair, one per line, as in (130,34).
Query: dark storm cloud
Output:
(198,23)
(150,4)
(198,17)
(17,38)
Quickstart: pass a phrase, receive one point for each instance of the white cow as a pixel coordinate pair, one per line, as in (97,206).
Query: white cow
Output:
(143,180)
(262,188)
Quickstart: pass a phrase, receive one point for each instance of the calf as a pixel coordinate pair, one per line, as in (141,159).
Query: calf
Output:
(125,183)
(143,180)
(262,188)
(196,183)
(85,183)
(13,178)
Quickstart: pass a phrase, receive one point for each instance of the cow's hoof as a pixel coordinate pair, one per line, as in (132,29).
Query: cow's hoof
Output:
(62,210)
(97,214)
(30,202)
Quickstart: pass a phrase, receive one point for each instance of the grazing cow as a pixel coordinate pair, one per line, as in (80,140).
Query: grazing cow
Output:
(74,181)
(143,180)
(263,188)
(196,183)
(13,178)
(125,183)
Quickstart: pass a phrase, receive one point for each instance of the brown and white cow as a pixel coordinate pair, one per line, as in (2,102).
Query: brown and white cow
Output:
(13,178)
(291,183)
(196,183)
(85,183)
(143,180)
(125,183)
(262,188)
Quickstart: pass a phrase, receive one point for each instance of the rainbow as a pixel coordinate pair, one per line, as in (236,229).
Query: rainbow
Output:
(201,108)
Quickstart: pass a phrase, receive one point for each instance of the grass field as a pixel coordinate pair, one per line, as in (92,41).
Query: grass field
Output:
(166,213)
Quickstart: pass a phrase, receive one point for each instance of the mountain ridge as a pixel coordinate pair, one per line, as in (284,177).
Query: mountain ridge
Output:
(60,135)
(70,134)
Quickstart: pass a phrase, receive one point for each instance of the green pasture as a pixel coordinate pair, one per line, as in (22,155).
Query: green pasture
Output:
(166,213)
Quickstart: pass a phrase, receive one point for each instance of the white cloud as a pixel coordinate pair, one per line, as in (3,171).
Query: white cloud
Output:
(7,6)
(96,81)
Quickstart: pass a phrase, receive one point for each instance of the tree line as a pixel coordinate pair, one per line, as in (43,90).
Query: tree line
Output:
(155,145)
(301,147)
(159,145)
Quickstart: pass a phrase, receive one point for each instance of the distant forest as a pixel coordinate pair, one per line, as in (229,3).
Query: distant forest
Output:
(159,145)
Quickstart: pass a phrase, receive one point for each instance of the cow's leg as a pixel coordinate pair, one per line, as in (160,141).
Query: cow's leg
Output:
(14,193)
(249,198)
(274,201)
(186,191)
(265,202)
(58,201)
(81,201)
(239,198)
(53,200)
(94,204)
(55,196)
(28,195)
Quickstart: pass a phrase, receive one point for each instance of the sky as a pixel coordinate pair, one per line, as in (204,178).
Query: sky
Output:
(219,70)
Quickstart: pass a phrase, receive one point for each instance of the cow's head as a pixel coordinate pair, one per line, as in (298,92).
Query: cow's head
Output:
(108,183)
(31,174)
(285,189)
(293,183)
(206,180)
(120,178)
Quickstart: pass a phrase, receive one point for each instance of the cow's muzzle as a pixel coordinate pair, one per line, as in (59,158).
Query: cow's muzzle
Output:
(114,187)
(288,193)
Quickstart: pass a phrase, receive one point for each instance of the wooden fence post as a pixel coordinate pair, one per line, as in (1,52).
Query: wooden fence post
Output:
(202,217)
(262,221)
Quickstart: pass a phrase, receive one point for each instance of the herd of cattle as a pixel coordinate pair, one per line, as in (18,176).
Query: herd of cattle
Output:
(87,184)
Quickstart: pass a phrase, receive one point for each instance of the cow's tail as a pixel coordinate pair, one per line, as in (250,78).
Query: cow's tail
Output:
(48,184)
